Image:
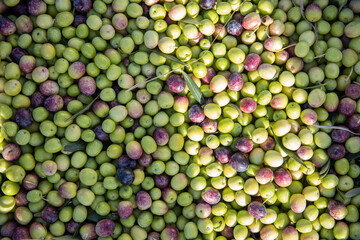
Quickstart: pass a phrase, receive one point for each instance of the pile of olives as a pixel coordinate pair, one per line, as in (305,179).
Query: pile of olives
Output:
(179,119)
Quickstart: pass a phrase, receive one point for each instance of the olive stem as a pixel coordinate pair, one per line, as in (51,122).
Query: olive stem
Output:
(313,26)
(292,45)
(319,85)
(238,109)
(254,31)
(336,127)
(351,72)
(266,31)
(320,56)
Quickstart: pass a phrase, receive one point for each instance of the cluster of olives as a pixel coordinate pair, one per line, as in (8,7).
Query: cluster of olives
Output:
(103,137)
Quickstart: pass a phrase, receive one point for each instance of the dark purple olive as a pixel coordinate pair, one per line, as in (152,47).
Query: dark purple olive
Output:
(239,161)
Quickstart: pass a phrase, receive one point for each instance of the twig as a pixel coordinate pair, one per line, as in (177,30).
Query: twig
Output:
(336,127)
(313,26)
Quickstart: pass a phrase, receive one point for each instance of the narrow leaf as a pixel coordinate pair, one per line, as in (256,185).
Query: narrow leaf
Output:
(287,151)
(194,89)
(351,72)
(169,57)
(82,110)
(341,194)
(4,134)
(352,156)
(325,169)
(334,117)
(352,193)
(238,109)
(66,237)
(336,127)
(277,74)
(316,86)
(77,230)
(73,147)
(190,21)
(342,5)
(67,202)
(94,217)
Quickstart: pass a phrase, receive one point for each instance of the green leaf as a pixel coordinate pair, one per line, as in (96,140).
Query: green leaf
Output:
(82,110)
(238,109)
(343,4)
(341,194)
(316,86)
(336,127)
(351,72)
(67,202)
(287,151)
(190,21)
(94,217)
(352,193)
(325,169)
(73,147)
(169,57)
(66,237)
(77,230)
(277,74)
(194,89)
(334,117)
(352,156)
(4,134)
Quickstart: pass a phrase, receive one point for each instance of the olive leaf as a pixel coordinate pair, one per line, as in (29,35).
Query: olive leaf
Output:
(341,194)
(351,72)
(320,56)
(82,110)
(190,21)
(67,202)
(238,109)
(343,4)
(316,86)
(352,156)
(336,127)
(325,169)
(94,217)
(194,89)
(169,57)
(76,232)
(334,117)
(287,151)
(66,237)
(352,193)
(73,147)
(277,74)
(4,134)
